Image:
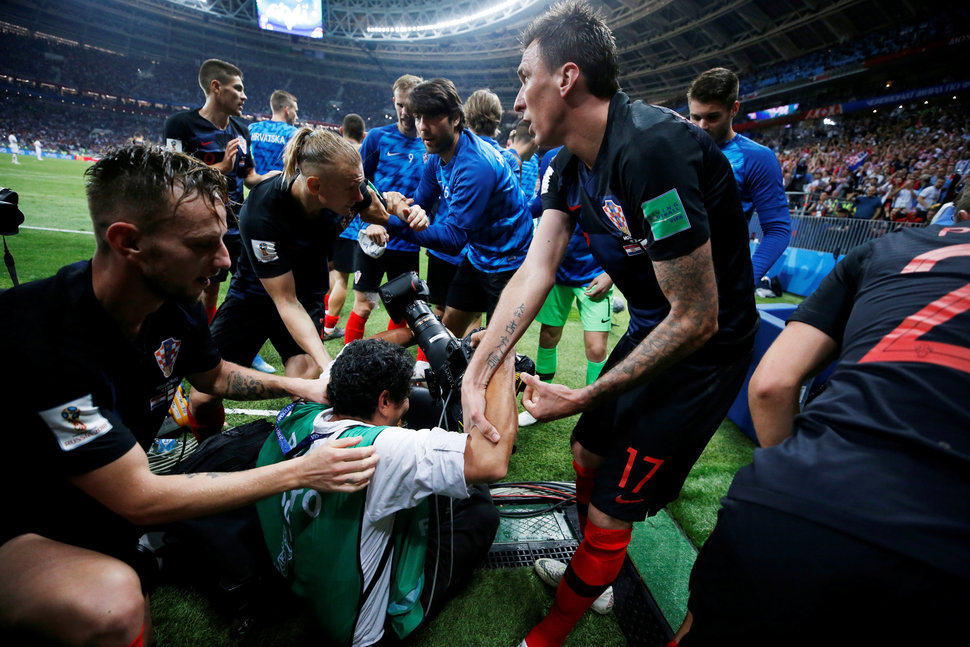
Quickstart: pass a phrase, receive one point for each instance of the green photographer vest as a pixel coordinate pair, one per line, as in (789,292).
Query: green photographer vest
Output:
(314,540)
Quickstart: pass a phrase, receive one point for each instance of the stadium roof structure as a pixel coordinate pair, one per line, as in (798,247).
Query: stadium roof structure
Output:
(663,44)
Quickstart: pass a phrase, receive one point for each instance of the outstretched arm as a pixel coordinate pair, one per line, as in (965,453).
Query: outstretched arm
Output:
(485,461)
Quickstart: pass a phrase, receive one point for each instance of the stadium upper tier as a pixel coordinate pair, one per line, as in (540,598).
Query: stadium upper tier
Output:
(663,45)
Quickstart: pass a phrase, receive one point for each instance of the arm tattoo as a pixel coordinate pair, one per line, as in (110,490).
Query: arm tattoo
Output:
(243,386)
(689,285)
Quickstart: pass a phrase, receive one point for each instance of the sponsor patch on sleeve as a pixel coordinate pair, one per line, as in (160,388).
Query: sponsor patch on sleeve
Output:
(666,215)
(265,251)
(75,423)
(173,145)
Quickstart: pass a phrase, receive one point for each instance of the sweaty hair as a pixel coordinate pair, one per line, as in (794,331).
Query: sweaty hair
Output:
(716,85)
(354,127)
(281,99)
(572,31)
(136,184)
(317,147)
(483,110)
(435,98)
(520,133)
(215,70)
(362,371)
(406,82)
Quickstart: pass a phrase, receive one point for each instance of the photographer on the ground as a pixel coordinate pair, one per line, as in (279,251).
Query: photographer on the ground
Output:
(444,538)
(102,347)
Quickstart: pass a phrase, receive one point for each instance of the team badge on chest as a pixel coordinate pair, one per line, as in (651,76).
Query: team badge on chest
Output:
(166,354)
(614,212)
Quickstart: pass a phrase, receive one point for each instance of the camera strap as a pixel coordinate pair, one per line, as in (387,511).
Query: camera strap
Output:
(8,261)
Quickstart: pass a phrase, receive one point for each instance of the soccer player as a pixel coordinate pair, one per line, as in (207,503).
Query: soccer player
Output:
(353,129)
(394,161)
(217,135)
(579,280)
(120,332)
(852,524)
(269,137)
(38,150)
(487,211)
(14,147)
(658,201)
(277,292)
(713,103)
(523,144)
(483,113)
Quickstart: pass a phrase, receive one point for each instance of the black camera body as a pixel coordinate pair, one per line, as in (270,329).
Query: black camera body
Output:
(407,297)
(10,215)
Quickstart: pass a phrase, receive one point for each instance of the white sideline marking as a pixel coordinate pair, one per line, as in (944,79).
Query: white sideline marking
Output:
(63,231)
(253,412)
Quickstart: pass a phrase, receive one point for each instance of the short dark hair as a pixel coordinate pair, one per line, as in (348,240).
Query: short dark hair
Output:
(281,99)
(214,69)
(435,98)
(362,371)
(716,85)
(136,184)
(520,132)
(574,31)
(354,127)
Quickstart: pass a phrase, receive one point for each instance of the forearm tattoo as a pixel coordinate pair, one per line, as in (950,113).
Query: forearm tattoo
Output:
(245,386)
(506,341)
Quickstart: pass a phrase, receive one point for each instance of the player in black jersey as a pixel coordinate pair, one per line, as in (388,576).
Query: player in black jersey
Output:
(659,204)
(852,525)
(104,345)
(217,135)
(286,227)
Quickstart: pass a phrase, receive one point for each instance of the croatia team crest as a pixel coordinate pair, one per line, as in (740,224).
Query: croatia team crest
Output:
(614,212)
(166,354)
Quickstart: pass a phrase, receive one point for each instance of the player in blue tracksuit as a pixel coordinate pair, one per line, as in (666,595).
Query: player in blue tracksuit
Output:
(488,213)
(713,103)
(269,137)
(579,280)
(393,157)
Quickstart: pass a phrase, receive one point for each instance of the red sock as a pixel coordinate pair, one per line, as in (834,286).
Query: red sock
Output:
(326,301)
(209,424)
(421,356)
(595,565)
(584,489)
(330,321)
(139,641)
(210,313)
(394,325)
(355,328)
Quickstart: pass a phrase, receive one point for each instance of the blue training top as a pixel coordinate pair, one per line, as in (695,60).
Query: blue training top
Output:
(269,138)
(761,188)
(488,212)
(578,267)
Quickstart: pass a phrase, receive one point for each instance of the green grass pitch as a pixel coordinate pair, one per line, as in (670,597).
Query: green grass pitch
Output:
(500,606)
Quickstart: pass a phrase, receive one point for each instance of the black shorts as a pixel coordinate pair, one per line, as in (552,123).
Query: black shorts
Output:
(344,251)
(475,291)
(652,435)
(242,326)
(440,275)
(765,577)
(233,243)
(370,272)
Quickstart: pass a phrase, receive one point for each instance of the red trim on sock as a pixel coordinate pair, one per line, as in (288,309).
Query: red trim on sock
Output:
(139,641)
(209,425)
(355,328)
(421,356)
(394,325)
(210,313)
(326,301)
(330,321)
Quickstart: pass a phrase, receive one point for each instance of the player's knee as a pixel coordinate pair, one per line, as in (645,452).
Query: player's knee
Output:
(112,610)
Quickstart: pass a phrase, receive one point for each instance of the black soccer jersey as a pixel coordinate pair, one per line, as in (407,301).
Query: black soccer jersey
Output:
(192,133)
(277,237)
(659,188)
(883,453)
(86,394)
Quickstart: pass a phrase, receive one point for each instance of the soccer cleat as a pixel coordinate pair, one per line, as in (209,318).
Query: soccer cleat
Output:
(262,365)
(526,419)
(336,333)
(550,571)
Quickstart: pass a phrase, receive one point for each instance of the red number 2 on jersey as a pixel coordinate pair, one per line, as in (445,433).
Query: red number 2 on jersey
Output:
(903,344)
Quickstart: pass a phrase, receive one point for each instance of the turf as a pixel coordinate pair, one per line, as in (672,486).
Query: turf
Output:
(506,602)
